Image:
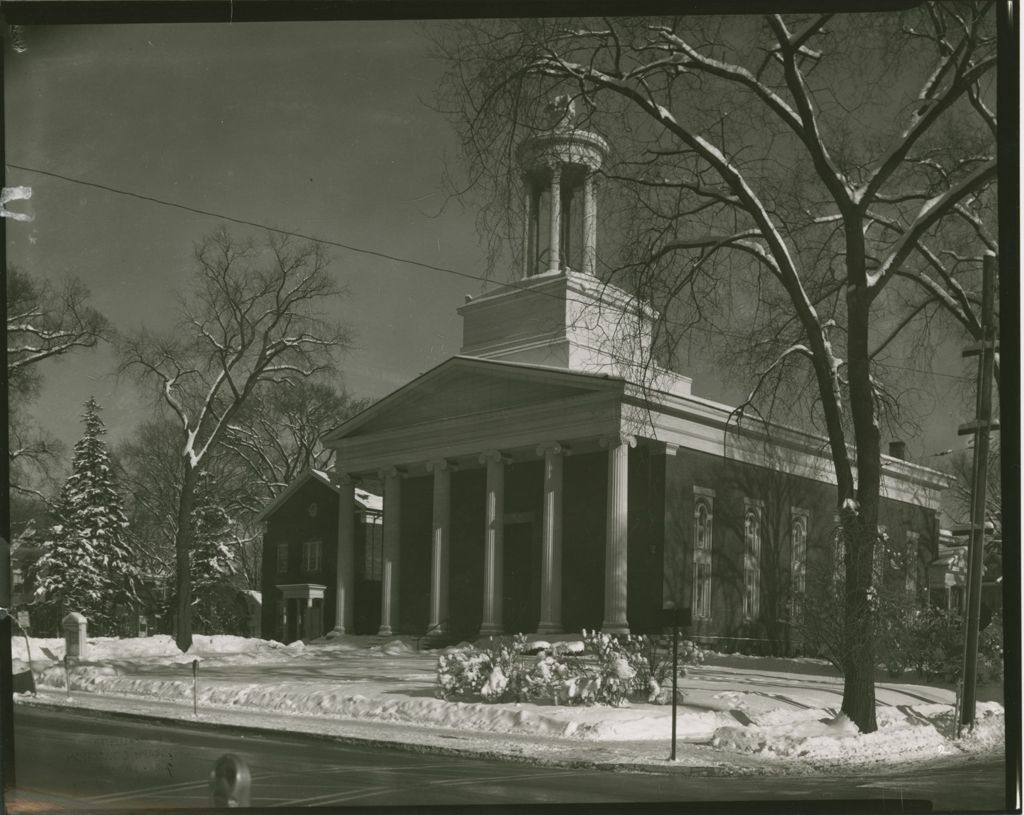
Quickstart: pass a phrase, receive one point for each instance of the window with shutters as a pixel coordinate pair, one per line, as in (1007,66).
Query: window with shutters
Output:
(311,555)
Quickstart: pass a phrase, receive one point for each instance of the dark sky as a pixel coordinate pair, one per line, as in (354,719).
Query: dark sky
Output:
(320,128)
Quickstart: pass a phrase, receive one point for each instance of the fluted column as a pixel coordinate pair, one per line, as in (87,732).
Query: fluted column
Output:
(589,225)
(555,258)
(494,542)
(529,228)
(439,551)
(392,478)
(617,534)
(551,541)
(345,579)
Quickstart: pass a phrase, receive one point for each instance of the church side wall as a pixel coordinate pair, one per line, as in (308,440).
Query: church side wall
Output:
(730,488)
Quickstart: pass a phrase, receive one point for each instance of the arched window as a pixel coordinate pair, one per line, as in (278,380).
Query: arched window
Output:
(838,555)
(703,518)
(703,527)
(752,561)
(798,539)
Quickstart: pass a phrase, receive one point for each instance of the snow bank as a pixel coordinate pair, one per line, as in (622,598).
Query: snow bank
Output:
(760,710)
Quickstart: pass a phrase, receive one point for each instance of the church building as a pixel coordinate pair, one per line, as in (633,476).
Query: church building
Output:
(550,478)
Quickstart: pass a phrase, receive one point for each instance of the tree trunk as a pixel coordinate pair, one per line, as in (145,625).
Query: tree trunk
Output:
(858,623)
(183,558)
(860,519)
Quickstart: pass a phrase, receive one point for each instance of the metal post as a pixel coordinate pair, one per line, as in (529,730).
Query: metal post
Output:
(675,680)
(195,687)
(67,674)
(980,428)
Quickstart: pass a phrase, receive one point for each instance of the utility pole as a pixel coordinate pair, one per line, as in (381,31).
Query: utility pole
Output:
(980,429)
(6,622)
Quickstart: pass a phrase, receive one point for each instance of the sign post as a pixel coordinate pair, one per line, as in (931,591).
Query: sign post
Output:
(675,617)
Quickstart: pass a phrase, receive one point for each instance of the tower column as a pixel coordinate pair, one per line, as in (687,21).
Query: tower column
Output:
(531,215)
(494,542)
(392,478)
(617,534)
(551,541)
(555,255)
(439,551)
(344,575)
(589,224)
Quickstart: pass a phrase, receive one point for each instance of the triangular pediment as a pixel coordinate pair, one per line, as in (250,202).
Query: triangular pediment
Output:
(466,386)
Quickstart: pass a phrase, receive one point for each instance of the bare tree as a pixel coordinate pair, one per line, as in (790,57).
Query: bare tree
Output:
(44,321)
(961,492)
(277,436)
(806,190)
(149,465)
(251,322)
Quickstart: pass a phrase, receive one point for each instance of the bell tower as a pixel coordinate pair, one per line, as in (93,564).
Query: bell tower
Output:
(558,312)
(560,207)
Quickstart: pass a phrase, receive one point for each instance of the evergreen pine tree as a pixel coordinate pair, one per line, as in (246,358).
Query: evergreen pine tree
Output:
(88,566)
(213,564)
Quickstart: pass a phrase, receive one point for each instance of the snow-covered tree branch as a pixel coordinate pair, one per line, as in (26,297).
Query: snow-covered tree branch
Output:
(253,321)
(781,187)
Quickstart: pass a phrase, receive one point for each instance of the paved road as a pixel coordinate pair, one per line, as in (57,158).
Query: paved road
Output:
(82,762)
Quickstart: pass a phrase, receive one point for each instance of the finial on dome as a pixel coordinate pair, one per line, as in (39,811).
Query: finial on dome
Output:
(561,112)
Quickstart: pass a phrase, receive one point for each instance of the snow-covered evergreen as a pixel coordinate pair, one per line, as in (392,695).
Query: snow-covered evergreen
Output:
(213,561)
(88,565)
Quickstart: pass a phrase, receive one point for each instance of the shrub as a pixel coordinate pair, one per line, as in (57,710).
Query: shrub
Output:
(610,670)
(936,646)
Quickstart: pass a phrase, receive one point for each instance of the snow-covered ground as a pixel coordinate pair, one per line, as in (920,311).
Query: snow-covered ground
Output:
(738,711)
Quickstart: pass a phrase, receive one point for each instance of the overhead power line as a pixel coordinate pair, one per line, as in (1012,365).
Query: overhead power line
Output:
(338,244)
(241,221)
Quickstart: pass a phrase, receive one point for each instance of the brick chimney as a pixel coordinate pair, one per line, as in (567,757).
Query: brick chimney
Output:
(898,449)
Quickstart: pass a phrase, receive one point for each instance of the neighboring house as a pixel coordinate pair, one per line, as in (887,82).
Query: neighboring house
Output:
(947,573)
(299,584)
(549,478)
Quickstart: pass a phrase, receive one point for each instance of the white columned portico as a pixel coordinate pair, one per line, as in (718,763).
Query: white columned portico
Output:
(392,478)
(554,241)
(494,542)
(344,608)
(617,534)
(551,540)
(439,551)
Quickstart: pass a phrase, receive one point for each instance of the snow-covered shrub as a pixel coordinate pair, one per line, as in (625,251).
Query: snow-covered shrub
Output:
(462,672)
(636,666)
(602,669)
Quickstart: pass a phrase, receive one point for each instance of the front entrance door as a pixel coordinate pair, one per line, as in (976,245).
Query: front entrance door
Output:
(521,603)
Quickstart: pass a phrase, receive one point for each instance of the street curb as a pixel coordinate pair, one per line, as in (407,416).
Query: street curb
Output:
(411,747)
